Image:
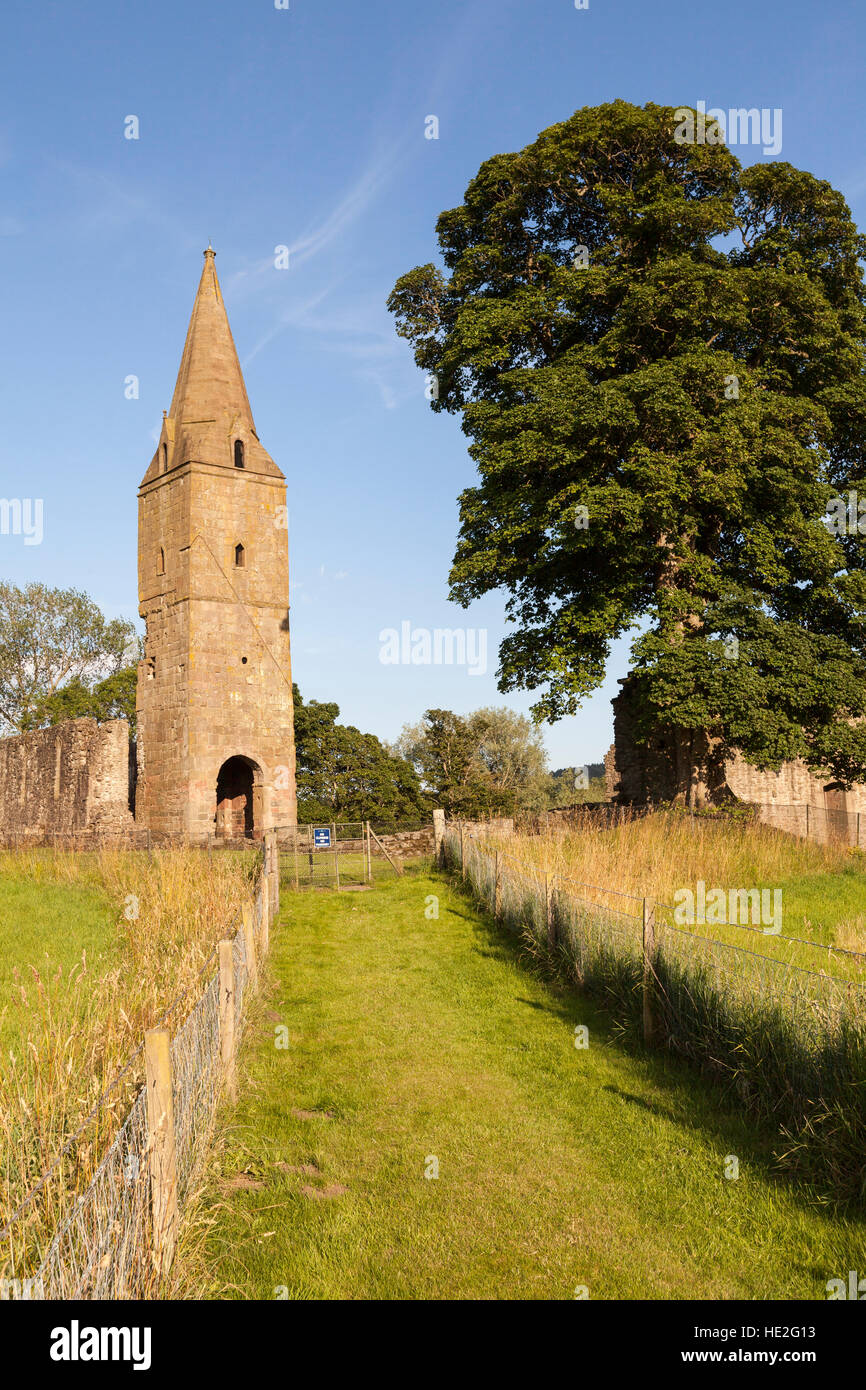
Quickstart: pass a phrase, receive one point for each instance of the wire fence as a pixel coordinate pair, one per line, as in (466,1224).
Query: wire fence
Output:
(781,1020)
(822,824)
(104,1242)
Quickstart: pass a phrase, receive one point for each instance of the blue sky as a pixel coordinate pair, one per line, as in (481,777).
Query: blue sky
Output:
(305,127)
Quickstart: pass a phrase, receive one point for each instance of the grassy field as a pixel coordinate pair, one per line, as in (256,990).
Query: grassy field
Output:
(46,928)
(780,1022)
(413,1038)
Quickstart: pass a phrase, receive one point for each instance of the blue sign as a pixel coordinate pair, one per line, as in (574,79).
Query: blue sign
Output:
(322,837)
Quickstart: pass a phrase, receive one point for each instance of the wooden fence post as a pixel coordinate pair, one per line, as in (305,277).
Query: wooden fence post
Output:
(163,1155)
(265,928)
(250,940)
(227,1017)
(549,890)
(439,837)
(649,954)
(497,890)
(274,894)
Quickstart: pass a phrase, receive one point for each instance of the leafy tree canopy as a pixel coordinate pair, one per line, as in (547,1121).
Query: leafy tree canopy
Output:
(51,639)
(489,762)
(112,698)
(345,775)
(658,356)
(572,786)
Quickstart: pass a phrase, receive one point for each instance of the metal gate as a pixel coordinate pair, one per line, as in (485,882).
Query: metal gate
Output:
(342,854)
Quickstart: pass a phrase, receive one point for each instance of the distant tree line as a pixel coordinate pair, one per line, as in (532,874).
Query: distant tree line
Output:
(344,775)
(60,658)
(488,763)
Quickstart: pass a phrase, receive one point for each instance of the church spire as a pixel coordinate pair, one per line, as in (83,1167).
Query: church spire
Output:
(210,420)
(210,378)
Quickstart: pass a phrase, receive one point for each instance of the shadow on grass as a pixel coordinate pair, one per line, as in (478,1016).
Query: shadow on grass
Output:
(699,1103)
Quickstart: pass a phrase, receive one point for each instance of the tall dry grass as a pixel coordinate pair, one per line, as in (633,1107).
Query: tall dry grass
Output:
(655,855)
(80,1028)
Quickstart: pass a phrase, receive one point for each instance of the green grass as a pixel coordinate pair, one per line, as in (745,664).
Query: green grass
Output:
(828,907)
(558,1167)
(823,886)
(46,927)
(789,1043)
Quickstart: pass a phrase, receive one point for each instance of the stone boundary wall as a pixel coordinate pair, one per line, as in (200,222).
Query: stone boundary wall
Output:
(793,785)
(497,825)
(405,844)
(75,778)
(410,844)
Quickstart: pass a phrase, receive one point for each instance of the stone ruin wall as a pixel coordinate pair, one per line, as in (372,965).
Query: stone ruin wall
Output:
(791,799)
(75,778)
(784,796)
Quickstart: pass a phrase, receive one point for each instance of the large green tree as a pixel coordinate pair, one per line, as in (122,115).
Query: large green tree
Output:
(492,761)
(659,360)
(51,639)
(345,775)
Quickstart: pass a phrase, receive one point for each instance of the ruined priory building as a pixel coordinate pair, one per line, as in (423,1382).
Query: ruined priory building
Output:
(215,749)
(793,798)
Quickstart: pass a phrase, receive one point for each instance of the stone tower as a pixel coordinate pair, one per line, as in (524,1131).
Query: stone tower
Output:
(215,719)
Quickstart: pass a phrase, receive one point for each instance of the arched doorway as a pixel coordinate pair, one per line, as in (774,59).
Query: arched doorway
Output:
(836,812)
(239,799)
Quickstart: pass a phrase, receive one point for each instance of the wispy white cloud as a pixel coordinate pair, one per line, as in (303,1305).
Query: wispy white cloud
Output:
(384,386)
(352,205)
(296,316)
(358,329)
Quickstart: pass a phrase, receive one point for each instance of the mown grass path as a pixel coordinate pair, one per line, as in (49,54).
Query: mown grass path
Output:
(411,1038)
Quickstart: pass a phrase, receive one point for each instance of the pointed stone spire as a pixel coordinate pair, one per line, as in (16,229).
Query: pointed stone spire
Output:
(210,409)
(210,378)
